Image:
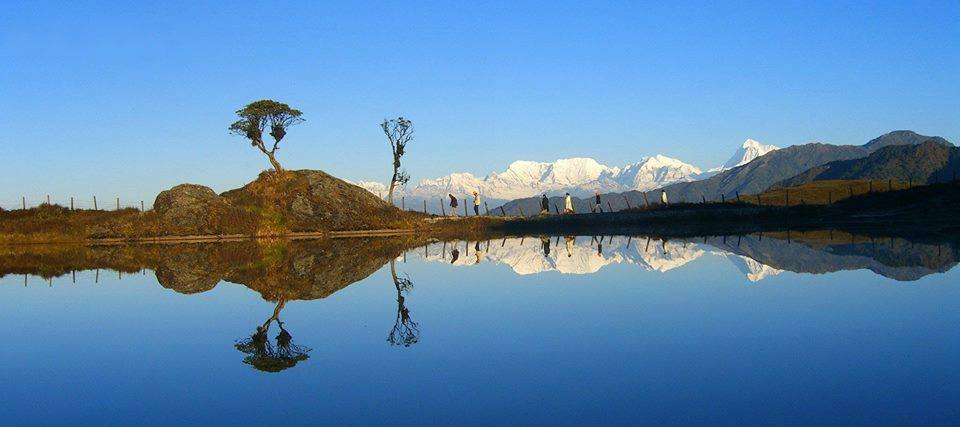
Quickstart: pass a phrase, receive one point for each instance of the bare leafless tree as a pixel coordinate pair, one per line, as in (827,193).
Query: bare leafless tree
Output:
(405,331)
(399,132)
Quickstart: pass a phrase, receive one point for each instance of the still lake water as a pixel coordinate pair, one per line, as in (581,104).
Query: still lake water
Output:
(805,329)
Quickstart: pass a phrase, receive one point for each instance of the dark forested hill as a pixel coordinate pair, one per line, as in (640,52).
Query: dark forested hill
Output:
(932,161)
(901,137)
(764,171)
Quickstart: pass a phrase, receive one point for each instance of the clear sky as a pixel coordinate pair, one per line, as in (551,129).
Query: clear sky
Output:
(123,99)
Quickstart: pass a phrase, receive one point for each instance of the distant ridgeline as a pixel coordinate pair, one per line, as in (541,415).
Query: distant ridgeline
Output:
(900,155)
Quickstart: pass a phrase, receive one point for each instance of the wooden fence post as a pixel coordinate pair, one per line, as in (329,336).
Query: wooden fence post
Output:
(141,207)
(23,201)
(609,207)
(502,212)
(48,199)
(424,205)
(94,202)
(556,209)
(71,203)
(443,211)
(403,203)
(738,197)
(118,203)
(465,213)
(486,207)
(723,199)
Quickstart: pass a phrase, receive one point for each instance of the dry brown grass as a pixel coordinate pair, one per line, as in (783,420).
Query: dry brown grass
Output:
(822,192)
(54,223)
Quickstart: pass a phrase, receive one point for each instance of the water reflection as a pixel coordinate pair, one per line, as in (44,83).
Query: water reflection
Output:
(675,309)
(757,256)
(307,270)
(280,271)
(405,331)
(265,357)
(286,271)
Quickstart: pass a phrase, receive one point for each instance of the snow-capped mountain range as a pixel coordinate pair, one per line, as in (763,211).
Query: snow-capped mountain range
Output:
(579,176)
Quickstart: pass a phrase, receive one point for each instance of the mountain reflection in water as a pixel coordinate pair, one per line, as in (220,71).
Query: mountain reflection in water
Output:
(708,330)
(282,271)
(758,256)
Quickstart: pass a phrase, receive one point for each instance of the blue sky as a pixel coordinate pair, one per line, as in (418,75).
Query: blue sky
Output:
(127,99)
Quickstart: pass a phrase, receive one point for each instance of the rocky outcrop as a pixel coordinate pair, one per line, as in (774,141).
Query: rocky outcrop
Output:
(294,201)
(312,200)
(190,209)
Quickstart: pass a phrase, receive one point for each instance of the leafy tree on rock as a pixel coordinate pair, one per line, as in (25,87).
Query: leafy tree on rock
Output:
(261,115)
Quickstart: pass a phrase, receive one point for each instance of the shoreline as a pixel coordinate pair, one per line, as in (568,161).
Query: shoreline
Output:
(933,209)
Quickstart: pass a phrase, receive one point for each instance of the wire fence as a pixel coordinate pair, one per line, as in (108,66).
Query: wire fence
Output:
(74,203)
(71,277)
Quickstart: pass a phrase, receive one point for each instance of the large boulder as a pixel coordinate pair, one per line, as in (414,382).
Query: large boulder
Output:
(190,209)
(312,200)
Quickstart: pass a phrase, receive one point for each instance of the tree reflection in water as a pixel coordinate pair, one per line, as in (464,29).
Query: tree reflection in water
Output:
(405,331)
(265,357)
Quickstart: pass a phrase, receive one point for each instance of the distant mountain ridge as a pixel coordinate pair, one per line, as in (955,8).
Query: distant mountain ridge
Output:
(934,160)
(901,137)
(774,167)
(755,176)
(763,171)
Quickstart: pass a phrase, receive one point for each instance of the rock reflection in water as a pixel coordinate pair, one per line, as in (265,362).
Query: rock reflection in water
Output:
(281,271)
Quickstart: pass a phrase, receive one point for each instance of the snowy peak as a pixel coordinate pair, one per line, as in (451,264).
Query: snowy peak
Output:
(580,176)
(749,150)
(573,171)
(371,186)
(654,172)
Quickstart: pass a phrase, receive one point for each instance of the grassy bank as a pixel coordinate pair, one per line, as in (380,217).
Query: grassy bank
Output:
(927,209)
(54,223)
